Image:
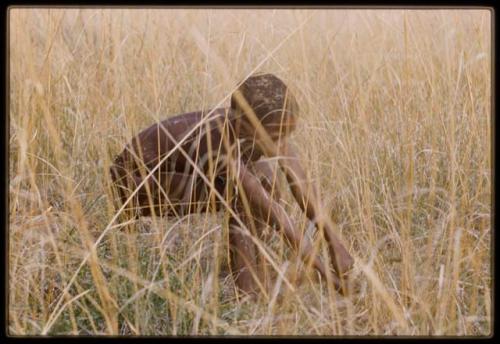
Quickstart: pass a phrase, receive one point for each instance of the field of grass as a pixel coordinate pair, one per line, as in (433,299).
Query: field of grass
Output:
(394,127)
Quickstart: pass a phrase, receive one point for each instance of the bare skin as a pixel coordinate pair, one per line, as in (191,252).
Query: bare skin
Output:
(224,153)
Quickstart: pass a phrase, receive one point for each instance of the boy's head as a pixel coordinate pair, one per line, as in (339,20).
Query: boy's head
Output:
(272,102)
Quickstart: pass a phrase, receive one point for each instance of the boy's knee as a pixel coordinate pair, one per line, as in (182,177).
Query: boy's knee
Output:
(266,173)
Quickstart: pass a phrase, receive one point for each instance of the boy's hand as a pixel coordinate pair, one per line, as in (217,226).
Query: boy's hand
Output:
(342,261)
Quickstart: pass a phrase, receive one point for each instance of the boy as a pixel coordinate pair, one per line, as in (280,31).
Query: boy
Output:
(194,162)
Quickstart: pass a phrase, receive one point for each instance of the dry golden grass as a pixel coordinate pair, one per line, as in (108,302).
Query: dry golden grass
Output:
(395,128)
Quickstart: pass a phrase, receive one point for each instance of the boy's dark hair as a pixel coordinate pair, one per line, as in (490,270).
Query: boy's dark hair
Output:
(266,94)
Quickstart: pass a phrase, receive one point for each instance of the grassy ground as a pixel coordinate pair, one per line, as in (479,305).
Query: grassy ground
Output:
(395,128)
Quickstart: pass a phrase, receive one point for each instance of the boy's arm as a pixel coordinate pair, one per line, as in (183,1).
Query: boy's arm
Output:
(260,199)
(307,198)
(303,191)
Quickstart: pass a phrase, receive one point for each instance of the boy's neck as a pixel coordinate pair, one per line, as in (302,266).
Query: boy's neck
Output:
(241,127)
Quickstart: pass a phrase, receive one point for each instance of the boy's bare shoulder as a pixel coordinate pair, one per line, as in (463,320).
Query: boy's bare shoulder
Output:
(178,124)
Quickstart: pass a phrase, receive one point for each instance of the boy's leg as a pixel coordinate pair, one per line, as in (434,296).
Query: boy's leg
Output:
(247,263)
(244,260)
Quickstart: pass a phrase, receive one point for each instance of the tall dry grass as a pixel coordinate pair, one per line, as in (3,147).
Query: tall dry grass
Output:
(395,128)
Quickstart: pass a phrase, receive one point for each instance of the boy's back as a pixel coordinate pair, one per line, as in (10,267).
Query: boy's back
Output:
(176,179)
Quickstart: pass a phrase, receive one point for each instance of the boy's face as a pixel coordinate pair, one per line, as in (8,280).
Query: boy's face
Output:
(282,127)
(279,128)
